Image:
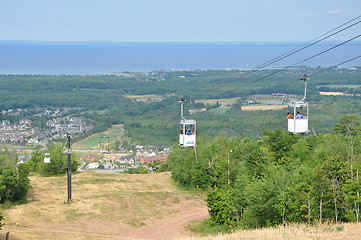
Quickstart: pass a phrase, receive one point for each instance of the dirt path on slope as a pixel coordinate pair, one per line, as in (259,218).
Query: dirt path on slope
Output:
(172,226)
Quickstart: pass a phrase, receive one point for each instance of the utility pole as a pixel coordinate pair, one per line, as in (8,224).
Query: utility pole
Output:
(68,152)
(108,143)
(69,168)
(229,181)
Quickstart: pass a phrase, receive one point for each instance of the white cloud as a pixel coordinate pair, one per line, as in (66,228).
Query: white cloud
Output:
(335,11)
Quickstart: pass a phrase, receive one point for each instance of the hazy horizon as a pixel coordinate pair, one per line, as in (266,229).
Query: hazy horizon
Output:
(97,58)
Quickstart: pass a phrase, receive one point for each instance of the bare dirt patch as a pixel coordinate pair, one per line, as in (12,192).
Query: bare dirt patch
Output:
(105,206)
(263,107)
(145,98)
(332,93)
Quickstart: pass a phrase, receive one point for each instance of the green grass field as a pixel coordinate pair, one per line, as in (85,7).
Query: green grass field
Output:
(224,101)
(340,86)
(93,141)
(221,110)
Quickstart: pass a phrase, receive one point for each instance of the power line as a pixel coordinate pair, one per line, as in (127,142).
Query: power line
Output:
(259,79)
(334,66)
(323,70)
(297,49)
(294,51)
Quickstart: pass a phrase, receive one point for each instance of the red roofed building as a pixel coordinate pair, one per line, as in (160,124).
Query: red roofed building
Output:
(91,157)
(161,158)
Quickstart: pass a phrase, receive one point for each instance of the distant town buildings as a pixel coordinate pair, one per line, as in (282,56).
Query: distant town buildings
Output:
(143,156)
(24,131)
(279,94)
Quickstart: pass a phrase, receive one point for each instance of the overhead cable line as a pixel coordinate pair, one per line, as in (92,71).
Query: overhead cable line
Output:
(294,51)
(259,79)
(323,70)
(334,66)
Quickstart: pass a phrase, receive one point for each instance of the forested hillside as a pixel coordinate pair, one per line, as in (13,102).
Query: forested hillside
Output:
(281,178)
(256,173)
(153,119)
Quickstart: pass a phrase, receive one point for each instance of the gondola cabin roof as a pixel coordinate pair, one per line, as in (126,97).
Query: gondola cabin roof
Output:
(187,122)
(297,104)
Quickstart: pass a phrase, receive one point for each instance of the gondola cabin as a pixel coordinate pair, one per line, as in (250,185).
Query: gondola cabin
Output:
(298,117)
(187,133)
(47,158)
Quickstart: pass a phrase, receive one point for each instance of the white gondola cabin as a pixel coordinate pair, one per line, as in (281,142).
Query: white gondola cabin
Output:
(299,122)
(47,158)
(298,113)
(187,133)
(187,130)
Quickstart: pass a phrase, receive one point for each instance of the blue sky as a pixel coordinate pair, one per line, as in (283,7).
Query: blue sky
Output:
(174,20)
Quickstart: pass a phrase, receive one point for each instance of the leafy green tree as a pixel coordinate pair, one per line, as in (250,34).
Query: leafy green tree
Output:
(280,142)
(58,161)
(14,180)
(188,170)
(117,145)
(350,128)
(262,198)
(257,158)
(351,191)
(101,166)
(138,170)
(327,187)
(221,207)
(302,201)
(336,169)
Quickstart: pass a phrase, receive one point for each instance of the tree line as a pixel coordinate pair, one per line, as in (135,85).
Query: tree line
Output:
(104,101)
(279,179)
(14,175)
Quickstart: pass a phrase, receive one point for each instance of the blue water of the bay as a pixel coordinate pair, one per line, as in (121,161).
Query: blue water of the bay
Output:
(97,58)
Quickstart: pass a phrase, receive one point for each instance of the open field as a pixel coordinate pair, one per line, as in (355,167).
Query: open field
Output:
(146,98)
(95,89)
(263,98)
(347,231)
(105,206)
(332,93)
(263,107)
(93,141)
(220,110)
(340,86)
(224,101)
(337,94)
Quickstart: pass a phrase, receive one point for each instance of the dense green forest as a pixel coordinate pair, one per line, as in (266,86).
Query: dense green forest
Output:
(106,100)
(278,179)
